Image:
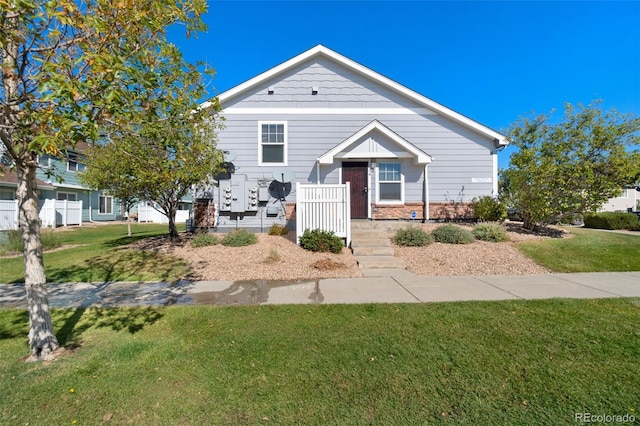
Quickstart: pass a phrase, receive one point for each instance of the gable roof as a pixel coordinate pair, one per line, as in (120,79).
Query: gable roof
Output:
(323,51)
(419,156)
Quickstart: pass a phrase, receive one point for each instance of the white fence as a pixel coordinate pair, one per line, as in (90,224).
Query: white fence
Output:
(149,214)
(325,207)
(52,213)
(8,215)
(60,212)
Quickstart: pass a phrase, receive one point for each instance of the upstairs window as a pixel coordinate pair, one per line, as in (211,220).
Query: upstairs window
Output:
(73,162)
(273,143)
(390,182)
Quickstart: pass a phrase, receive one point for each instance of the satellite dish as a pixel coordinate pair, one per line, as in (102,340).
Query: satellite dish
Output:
(283,176)
(229,156)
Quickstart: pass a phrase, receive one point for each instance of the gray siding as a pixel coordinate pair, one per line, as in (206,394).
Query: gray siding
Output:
(462,166)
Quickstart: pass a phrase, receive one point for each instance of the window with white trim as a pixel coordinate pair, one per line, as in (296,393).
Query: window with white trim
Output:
(389,182)
(106,204)
(69,196)
(7,194)
(73,162)
(273,143)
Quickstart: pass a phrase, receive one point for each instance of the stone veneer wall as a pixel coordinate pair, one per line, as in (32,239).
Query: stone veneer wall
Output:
(437,211)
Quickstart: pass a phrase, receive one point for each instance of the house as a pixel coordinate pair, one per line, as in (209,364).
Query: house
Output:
(628,200)
(322,118)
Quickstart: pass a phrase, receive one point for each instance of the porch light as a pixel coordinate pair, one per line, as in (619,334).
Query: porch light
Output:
(314,90)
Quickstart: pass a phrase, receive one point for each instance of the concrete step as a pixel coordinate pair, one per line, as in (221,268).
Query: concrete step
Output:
(375,242)
(368,234)
(372,251)
(379,262)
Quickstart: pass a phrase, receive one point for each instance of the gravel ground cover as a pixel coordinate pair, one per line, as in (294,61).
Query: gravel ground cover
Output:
(279,258)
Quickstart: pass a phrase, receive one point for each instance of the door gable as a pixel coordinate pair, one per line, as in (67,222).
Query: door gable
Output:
(375,140)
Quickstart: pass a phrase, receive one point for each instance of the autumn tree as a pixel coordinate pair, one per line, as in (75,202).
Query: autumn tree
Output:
(164,154)
(68,68)
(570,167)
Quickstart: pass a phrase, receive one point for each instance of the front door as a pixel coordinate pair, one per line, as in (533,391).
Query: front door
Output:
(357,173)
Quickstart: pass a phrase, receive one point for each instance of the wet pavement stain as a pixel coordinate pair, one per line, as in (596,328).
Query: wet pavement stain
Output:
(84,295)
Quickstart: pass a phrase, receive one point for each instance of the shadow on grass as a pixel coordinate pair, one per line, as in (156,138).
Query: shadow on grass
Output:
(120,265)
(123,241)
(76,321)
(14,323)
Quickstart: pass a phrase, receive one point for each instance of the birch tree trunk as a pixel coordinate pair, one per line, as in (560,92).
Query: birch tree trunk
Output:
(42,340)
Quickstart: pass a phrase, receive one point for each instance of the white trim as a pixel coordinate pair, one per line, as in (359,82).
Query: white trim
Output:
(426,192)
(411,151)
(112,203)
(377,174)
(494,156)
(322,51)
(285,144)
(327,111)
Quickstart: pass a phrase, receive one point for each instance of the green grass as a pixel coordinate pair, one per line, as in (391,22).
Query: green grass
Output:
(587,251)
(509,362)
(99,255)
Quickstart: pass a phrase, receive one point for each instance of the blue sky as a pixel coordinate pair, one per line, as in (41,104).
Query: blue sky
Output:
(491,61)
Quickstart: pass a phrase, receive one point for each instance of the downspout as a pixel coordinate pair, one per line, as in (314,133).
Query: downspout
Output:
(318,171)
(494,190)
(426,192)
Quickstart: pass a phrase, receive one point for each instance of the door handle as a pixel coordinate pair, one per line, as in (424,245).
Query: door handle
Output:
(366,189)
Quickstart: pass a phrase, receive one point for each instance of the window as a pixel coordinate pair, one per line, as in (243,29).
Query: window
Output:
(69,196)
(273,143)
(106,204)
(73,162)
(7,194)
(389,182)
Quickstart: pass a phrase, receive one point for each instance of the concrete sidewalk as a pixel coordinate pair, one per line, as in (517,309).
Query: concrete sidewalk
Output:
(393,286)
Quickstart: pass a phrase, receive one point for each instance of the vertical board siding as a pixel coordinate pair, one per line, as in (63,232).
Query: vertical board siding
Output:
(324,207)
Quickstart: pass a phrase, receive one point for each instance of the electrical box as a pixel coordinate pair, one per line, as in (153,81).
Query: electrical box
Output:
(263,194)
(238,194)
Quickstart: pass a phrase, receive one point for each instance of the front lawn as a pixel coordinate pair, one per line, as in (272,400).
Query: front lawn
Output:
(98,254)
(587,251)
(510,362)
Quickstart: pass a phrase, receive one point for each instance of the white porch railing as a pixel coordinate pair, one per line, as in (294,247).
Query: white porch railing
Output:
(8,215)
(60,212)
(325,207)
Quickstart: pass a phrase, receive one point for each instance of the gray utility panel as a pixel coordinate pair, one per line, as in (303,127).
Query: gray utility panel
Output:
(239,194)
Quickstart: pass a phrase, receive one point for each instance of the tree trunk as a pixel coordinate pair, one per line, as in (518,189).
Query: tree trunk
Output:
(42,340)
(173,231)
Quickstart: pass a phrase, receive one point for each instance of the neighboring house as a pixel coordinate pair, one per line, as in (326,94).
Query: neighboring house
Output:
(63,183)
(629,200)
(321,117)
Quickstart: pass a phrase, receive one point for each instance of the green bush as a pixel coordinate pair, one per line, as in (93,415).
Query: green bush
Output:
(412,236)
(489,209)
(239,238)
(322,241)
(491,232)
(203,240)
(452,234)
(610,220)
(277,229)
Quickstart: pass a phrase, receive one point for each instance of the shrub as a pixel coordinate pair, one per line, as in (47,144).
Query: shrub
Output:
(239,238)
(610,220)
(323,241)
(412,236)
(203,240)
(273,256)
(489,209)
(491,232)
(277,229)
(452,234)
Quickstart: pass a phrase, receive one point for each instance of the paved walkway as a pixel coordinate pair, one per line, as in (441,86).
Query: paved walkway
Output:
(378,286)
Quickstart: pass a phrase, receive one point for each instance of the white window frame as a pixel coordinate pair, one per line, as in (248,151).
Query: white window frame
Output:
(285,143)
(67,194)
(378,182)
(79,166)
(106,197)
